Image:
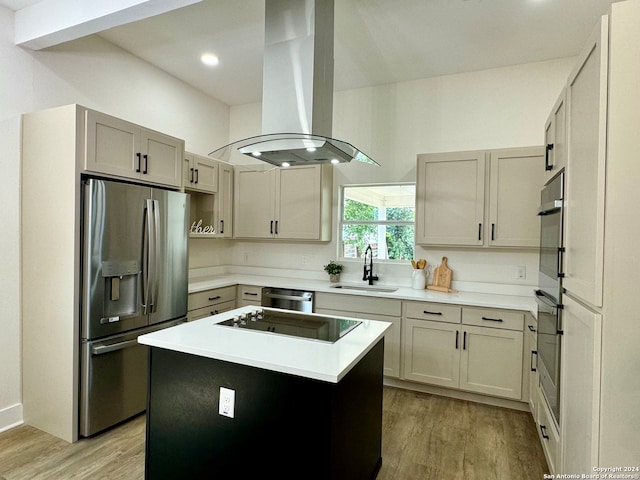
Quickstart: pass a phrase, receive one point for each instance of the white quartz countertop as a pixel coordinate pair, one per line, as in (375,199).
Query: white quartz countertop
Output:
(490,300)
(308,358)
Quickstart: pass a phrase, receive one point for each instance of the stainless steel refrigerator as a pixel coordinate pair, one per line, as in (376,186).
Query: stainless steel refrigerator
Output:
(134,280)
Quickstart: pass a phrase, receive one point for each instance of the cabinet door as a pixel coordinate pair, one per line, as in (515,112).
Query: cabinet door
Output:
(162,158)
(200,174)
(585,182)
(580,381)
(298,204)
(555,138)
(254,215)
(530,361)
(450,198)
(515,178)
(112,145)
(225,201)
(491,361)
(432,352)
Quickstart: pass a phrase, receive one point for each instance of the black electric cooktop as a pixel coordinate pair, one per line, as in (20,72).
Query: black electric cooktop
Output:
(296,324)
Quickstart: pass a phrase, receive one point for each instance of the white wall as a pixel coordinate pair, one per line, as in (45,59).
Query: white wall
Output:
(498,108)
(96,74)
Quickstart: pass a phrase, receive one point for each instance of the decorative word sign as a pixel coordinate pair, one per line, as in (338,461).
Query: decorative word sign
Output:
(199,228)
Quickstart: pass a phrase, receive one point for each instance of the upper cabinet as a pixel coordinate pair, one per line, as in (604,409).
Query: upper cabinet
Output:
(210,183)
(555,138)
(585,181)
(200,174)
(116,147)
(479,198)
(284,203)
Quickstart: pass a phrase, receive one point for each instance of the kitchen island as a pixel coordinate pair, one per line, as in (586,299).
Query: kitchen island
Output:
(301,407)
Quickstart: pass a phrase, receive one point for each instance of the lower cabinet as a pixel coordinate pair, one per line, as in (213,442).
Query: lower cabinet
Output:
(249,295)
(211,302)
(530,362)
(548,432)
(373,309)
(480,359)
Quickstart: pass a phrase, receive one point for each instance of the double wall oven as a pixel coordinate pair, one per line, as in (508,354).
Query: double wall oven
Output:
(549,292)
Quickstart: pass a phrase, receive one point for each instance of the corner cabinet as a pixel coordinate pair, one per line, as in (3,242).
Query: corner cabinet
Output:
(284,203)
(123,149)
(210,183)
(479,198)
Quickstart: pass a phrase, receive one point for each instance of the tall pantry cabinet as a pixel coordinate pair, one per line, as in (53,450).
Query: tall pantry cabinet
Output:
(600,393)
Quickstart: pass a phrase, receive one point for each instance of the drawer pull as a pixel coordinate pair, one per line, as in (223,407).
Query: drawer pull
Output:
(543,428)
(253,294)
(217,297)
(464,341)
(532,328)
(214,312)
(427,312)
(489,319)
(457,335)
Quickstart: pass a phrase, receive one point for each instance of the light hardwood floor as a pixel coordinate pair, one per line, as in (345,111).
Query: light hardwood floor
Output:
(424,437)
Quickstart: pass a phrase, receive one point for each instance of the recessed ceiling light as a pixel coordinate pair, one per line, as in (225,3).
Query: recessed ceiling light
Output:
(256,153)
(335,160)
(209,59)
(285,164)
(311,149)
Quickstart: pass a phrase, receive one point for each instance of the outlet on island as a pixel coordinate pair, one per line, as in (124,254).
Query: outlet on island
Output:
(227,404)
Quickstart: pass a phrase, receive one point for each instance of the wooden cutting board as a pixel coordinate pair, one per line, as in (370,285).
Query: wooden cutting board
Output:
(441,278)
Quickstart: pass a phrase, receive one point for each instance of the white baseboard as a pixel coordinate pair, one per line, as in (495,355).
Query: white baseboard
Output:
(11,417)
(459,394)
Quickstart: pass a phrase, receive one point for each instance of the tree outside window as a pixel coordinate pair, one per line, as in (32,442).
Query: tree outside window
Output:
(382,216)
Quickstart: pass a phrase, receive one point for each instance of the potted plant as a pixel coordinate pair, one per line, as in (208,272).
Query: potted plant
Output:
(333,269)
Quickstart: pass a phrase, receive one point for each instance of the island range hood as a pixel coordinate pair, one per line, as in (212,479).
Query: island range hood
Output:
(297,92)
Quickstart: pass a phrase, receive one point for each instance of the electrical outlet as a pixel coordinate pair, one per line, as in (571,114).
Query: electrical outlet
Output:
(521,272)
(305,260)
(227,404)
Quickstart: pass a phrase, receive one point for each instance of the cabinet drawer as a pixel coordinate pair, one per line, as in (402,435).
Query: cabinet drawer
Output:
(432,311)
(211,297)
(211,310)
(250,293)
(549,437)
(483,317)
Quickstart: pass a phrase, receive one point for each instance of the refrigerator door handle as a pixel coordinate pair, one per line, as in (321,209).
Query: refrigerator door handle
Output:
(147,256)
(155,255)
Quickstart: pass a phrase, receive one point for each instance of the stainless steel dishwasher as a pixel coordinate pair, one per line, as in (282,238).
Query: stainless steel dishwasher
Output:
(288,299)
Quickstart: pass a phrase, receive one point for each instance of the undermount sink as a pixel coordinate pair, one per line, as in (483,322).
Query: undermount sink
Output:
(366,288)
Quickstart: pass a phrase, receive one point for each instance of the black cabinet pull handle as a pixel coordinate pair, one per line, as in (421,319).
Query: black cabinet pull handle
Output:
(221,226)
(276,227)
(217,297)
(146,163)
(561,251)
(214,312)
(532,328)
(548,166)
(271,228)
(533,369)
(464,341)
(542,431)
(489,319)
(251,293)
(138,162)
(427,312)
(479,231)
(493,231)
(457,335)
(191,179)
(197,176)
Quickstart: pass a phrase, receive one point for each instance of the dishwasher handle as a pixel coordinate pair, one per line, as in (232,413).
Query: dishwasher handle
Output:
(294,298)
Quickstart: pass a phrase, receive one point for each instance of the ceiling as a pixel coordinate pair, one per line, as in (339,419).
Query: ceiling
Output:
(376,41)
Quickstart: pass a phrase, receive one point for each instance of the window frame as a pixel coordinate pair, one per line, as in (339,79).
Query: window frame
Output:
(342,222)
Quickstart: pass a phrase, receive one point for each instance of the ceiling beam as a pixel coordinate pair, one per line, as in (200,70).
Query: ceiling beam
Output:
(51,22)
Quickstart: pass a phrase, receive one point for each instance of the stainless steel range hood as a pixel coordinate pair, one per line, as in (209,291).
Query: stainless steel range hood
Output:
(297,92)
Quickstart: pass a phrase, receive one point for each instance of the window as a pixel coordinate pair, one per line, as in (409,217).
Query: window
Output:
(382,216)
